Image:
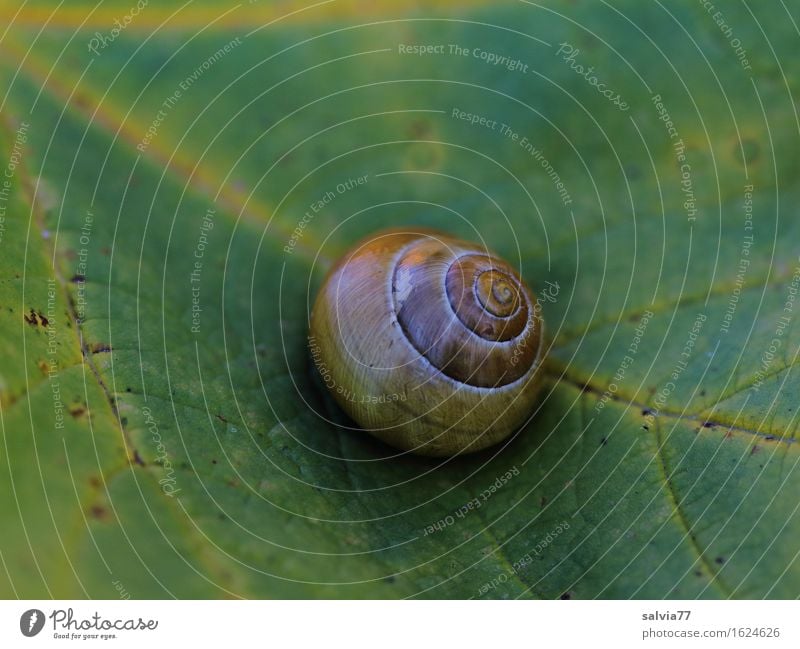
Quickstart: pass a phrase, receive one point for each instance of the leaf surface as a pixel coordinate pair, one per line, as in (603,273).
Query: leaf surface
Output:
(168,452)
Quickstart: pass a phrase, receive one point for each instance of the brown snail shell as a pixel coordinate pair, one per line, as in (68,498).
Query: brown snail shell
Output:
(430,343)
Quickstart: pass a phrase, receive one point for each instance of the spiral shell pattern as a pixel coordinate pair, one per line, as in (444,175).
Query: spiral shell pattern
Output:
(466,312)
(430,343)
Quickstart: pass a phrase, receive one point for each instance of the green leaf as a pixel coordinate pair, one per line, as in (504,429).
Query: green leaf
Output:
(156,451)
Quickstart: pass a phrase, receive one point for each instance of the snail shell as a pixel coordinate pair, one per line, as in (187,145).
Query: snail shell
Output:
(430,343)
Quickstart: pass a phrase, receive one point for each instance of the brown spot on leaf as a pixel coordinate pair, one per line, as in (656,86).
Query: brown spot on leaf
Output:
(98,512)
(77,409)
(420,129)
